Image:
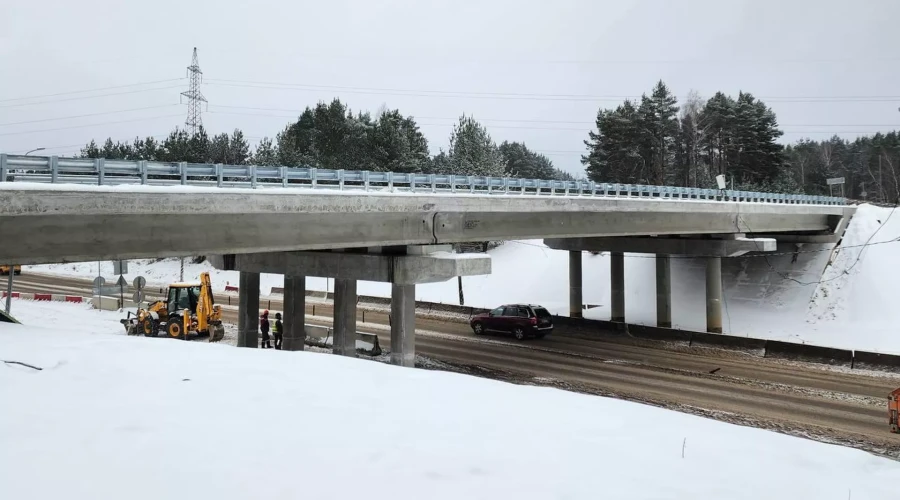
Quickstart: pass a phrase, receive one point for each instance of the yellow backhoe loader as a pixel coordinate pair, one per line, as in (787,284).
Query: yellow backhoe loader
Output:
(188,308)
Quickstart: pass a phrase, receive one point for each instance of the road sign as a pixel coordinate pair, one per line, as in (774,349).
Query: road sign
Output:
(139,283)
(122,283)
(120,267)
(99,281)
(834,180)
(138,297)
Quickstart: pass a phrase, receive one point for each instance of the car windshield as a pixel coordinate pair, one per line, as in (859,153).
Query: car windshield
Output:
(541,312)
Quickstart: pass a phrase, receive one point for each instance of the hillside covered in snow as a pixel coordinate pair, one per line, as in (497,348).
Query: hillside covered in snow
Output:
(110,416)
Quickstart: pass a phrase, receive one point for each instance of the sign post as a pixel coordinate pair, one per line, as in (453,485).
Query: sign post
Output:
(835,181)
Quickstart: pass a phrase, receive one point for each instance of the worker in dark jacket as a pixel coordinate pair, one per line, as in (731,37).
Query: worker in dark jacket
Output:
(264,328)
(278,331)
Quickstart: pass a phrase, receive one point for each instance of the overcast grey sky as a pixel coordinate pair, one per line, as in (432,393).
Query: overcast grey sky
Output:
(436,60)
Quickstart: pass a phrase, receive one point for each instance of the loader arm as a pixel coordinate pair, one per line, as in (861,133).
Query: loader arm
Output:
(209,316)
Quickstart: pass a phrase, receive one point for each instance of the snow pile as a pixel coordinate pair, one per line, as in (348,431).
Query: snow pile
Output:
(857,294)
(772,296)
(111,416)
(66,316)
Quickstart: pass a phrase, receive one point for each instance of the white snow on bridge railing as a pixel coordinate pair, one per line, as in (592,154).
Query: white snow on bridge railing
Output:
(52,169)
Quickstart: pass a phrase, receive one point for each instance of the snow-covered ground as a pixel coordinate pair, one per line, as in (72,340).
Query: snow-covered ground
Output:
(775,297)
(113,417)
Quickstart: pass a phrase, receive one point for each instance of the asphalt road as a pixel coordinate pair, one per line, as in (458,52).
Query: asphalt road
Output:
(802,399)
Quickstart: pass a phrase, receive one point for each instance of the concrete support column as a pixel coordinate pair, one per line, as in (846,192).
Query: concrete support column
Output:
(403,325)
(344,317)
(248,310)
(576,297)
(617,285)
(294,313)
(714,294)
(663,291)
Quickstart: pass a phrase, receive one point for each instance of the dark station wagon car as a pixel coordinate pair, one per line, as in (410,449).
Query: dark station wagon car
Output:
(520,320)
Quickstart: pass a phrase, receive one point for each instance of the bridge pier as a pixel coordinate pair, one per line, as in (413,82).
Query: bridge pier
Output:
(294,313)
(248,309)
(576,297)
(714,294)
(344,317)
(663,291)
(402,266)
(403,325)
(617,286)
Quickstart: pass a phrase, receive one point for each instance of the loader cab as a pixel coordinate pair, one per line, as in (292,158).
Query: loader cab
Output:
(183,296)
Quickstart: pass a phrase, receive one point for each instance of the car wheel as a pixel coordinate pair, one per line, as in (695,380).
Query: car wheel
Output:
(478,328)
(519,333)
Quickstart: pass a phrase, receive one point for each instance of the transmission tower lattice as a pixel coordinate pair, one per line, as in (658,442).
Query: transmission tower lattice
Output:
(195,98)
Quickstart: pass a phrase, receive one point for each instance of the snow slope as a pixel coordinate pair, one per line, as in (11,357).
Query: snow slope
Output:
(770,296)
(113,417)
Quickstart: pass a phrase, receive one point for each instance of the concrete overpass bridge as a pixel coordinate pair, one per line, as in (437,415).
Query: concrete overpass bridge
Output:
(380,226)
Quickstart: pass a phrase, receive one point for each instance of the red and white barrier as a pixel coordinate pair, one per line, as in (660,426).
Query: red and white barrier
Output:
(231,288)
(47,297)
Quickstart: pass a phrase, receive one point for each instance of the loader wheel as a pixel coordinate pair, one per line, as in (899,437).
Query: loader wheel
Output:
(174,328)
(149,327)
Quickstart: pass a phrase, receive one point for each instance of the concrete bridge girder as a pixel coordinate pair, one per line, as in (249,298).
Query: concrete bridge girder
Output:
(53,224)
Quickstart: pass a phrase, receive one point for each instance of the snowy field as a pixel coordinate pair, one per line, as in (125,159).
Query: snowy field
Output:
(113,417)
(776,297)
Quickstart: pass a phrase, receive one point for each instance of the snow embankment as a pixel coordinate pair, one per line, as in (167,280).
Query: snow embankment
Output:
(111,416)
(775,296)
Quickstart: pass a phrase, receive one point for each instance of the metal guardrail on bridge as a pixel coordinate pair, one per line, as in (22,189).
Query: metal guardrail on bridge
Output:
(53,169)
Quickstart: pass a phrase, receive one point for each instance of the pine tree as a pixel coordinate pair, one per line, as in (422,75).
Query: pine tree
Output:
(614,151)
(265,153)
(472,151)
(659,129)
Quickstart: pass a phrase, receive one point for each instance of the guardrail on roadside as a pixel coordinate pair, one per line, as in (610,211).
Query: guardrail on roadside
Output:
(53,169)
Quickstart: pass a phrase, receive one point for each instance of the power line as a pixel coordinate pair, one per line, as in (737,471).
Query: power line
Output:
(87,125)
(91,90)
(511,95)
(54,101)
(87,115)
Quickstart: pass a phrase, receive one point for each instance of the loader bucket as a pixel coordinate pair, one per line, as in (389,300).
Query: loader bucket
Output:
(216,333)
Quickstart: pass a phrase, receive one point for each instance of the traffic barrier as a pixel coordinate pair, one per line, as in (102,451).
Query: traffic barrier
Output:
(656,333)
(863,360)
(276,290)
(46,297)
(718,340)
(229,288)
(809,353)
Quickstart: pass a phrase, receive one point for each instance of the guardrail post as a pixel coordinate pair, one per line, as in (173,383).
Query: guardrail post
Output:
(340,176)
(253,176)
(313,177)
(282,171)
(219,169)
(593,187)
(452,183)
(433,185)
(471,183)
(390,179)
(412,182)
(365,176)
(142,166)
(490,181)
(182,169)
(3,167)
